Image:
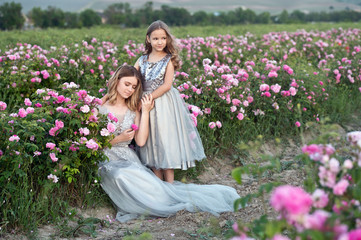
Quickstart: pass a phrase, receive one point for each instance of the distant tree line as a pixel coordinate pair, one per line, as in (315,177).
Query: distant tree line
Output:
(122,14)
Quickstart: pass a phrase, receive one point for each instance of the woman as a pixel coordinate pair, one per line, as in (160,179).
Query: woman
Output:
(133,188)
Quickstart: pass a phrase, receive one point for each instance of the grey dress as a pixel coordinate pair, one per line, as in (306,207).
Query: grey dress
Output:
(173,140)
(136,191)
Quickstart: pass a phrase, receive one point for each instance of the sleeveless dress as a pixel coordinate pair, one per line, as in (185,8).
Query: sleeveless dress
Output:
(173,140)
(136,191)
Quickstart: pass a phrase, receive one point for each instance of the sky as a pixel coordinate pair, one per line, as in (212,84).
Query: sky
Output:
(272,6)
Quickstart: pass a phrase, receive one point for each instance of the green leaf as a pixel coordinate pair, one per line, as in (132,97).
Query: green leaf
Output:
(237,174)
(274,227)
(243,201)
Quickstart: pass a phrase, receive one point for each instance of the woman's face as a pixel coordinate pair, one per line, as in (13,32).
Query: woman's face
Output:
(126,86)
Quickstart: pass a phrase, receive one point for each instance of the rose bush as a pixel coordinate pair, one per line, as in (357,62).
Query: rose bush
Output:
(330,209)
(50,143)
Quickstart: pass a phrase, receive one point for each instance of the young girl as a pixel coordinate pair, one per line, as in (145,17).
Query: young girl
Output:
(173,142)
(133,188)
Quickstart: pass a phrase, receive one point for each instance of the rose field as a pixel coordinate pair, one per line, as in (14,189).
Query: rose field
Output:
(243,85)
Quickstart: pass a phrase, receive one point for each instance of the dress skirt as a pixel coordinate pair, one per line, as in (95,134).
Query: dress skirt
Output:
(136,191)
(173,141)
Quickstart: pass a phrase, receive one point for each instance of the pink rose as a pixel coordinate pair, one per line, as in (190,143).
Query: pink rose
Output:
(53,157)
(347,164)
(354,137)
(111,117)
(236,102)
(14,138)
(264,87)
(85,109)
(27,102)
(93,118)
(104,132)
(293,91)
(267,94)
(51,146)
(272,74)
(59,124)
(53,177)
(82,94)
(340,187)
(316,220)
(212,125)
(320,198)
(207,111)
(84,131)
(52,131)
(354,234)
(276,88)
(30,110)
(2,106)
(293,200)
(45,74)
(91,144)
(279,237)
(22,113)
(134,127)
(250,99)
(240,116)
(111,127)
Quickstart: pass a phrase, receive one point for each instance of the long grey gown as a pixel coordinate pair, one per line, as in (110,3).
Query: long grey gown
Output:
(136,191)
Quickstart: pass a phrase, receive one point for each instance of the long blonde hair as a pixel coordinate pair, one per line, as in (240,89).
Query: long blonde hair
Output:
(125,71)
(170,48)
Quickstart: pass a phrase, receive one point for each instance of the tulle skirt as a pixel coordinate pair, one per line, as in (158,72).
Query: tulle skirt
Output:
(136,191)
(173,141)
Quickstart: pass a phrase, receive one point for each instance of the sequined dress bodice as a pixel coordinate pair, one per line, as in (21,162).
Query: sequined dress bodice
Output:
(153,72)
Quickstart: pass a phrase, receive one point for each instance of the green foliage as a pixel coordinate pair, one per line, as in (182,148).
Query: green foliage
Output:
(264,166)
(89,18)
(143,236)
(211,229)
(37,178)
(11,16)
(55,17)
(83,226)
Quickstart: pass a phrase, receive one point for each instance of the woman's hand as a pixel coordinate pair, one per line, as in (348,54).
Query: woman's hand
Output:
(147,103)
(125,136)
(128,134)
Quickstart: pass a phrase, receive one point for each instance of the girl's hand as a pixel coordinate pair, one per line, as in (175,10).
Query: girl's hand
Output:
(104,98)
(147,103)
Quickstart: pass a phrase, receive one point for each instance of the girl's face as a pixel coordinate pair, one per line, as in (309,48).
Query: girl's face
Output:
(158,40)
(126,86)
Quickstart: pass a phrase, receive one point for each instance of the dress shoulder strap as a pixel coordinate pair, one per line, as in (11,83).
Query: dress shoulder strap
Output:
(142,60)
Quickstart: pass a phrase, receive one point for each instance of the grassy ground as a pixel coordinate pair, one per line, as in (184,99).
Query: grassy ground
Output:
(58,37)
